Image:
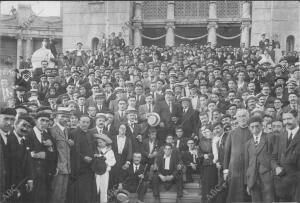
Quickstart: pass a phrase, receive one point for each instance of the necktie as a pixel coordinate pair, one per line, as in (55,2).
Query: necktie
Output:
(290,138)
(256,140)
(136,168)
(132,127)
(170,107)
(149,107)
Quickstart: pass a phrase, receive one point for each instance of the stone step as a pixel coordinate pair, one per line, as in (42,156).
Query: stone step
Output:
(170,197)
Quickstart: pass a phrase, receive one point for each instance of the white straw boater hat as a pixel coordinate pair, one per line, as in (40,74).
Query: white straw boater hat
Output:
(103,137)
(153,119)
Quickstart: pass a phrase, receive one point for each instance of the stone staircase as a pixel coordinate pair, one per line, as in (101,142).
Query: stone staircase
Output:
(191,193)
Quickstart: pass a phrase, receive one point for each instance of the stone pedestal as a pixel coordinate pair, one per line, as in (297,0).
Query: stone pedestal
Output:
(137,35)
(170,37)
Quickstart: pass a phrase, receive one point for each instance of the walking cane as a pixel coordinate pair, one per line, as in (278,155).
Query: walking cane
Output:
(141,180)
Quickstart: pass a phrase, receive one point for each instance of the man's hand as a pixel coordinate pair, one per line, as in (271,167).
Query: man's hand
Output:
(206,156)
(29,185)
(87,159)
(278,170)
(139,138)
(218,165)
(193,166)
(70,142)
(125,166)
(48,143)
(179,167)
(141,176)
(170,177)
(225,174)
(163,178)
(248,190)
(40,155)
(120,187)
(162,124)
(174,119)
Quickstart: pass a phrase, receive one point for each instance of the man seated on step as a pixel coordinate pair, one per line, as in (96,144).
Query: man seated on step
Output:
(190,159)
(134,178)
(168,172)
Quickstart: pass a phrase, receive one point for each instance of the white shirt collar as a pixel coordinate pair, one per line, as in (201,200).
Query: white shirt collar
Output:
(294,131)
(258,137)
(18,138)
(167,157)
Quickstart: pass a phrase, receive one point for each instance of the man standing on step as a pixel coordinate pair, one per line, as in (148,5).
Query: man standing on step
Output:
(168,172)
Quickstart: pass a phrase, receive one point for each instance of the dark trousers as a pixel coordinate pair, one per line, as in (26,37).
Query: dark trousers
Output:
(263,190)
(177,180)
(141,191)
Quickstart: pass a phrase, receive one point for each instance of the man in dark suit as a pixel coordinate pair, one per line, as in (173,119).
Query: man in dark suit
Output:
(189,117)
(168,172)
(82,106)
(131,177)
(190,159)
(180,140)
(43,87)
(286,160)
(21,97)
(43,153)
(7,119)
(19,160)
(122,148)
(100,124)
(169,113)
(258,156)
(110,129)
(140,97)
(150,147)
(120,115)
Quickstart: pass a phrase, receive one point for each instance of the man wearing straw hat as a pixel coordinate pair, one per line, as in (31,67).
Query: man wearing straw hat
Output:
(60,133)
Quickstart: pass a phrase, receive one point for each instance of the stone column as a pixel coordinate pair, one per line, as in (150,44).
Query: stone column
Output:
(246,24)
(28,47)
(170,24)
(212,23)
(137,24)
(137,35)
(19,49)
(212,33)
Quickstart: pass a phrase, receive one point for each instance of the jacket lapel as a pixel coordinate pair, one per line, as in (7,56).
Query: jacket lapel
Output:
(261,144)
(294,141)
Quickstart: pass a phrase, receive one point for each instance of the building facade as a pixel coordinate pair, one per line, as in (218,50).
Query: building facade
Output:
(22,33)
(153,22)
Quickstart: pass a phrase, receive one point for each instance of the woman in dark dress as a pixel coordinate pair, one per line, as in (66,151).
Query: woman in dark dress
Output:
(209,172)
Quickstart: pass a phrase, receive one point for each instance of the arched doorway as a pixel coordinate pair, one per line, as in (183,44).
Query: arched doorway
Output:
(290,43)
(95,43)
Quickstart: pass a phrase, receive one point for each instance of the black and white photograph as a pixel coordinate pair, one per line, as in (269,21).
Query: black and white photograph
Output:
(150,101)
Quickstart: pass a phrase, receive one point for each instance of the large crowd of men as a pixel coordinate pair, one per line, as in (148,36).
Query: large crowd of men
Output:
(132,120)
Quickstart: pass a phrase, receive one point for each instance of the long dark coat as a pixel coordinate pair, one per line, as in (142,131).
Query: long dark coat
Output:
(82,185)
(234,160)
(288,157)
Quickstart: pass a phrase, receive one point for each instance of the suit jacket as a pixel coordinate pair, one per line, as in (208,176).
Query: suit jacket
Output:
(126,154)
(140,102)
(19,161)
(182,144)
(163,110)
(143,110)
(130,178)
(221,148)
(111,131)
(288,157)
(258,161)
(189,121)
(63,148)
(113,105)
(48,165)
(174,161)
(187,157)
(118,120)
(42,90)
(146,150)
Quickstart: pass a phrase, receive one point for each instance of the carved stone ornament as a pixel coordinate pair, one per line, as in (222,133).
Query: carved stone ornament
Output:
(170,25)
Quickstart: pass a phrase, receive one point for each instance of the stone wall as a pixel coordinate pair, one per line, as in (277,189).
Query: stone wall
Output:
(84,20)
(281,17)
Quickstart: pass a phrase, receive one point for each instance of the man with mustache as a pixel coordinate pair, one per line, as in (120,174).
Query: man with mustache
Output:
(19,161)
(286,160)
